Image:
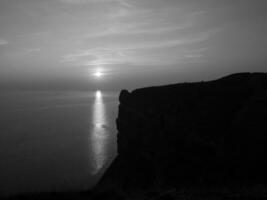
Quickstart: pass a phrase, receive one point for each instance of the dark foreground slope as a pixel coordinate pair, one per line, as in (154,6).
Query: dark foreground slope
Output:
(207,133)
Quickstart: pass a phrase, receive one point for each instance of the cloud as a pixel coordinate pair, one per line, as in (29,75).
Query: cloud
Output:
(134,34)
(122,2)
(3,41)
(33,50)
(131,21)
(136,29)
(96,56)
(130,53)
(137,34)
(141,44)
(75,1)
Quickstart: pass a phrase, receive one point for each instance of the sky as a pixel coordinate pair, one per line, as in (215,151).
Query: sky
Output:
(116,44)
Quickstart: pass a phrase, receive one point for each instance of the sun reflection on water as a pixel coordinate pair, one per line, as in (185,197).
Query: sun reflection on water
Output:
(99,133)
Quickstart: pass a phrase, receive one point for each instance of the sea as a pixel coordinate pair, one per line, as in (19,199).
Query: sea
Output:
(55,141)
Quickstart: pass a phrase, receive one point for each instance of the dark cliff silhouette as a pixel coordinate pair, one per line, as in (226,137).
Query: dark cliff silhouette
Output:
(206,133)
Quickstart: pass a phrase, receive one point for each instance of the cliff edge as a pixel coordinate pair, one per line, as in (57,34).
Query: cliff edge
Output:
(211,133)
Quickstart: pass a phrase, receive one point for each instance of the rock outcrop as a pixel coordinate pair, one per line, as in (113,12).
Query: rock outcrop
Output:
(192,133)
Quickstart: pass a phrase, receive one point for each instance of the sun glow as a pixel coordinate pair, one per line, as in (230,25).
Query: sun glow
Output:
(98,74)
(98,94)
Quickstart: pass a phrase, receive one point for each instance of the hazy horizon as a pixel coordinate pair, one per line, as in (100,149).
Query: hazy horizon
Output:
(66,44)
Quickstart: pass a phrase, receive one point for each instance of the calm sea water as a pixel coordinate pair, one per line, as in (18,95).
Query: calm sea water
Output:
(55,140)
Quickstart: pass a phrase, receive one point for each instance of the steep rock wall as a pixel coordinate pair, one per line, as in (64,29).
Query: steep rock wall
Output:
(192,133)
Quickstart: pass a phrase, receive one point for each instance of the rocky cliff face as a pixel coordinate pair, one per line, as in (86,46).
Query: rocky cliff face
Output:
(192,133)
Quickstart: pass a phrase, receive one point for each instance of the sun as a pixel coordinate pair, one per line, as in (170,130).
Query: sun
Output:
(98,74)
(98,94)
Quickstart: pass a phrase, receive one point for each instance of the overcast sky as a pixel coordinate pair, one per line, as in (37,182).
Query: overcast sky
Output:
(133,43)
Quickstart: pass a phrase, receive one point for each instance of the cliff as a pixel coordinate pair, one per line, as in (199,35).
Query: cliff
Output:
(204,133)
